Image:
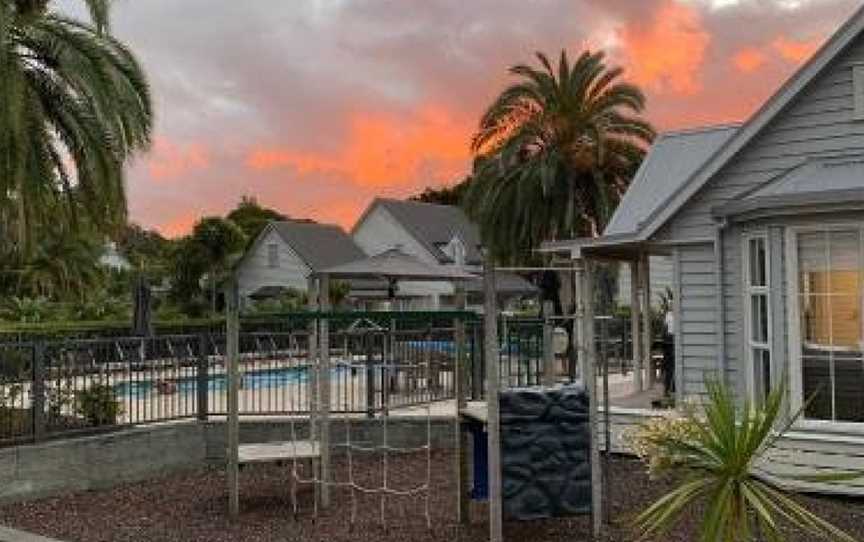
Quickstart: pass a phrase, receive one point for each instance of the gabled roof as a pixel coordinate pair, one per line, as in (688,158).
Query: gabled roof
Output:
(318,245)
(851,29)
(433,226)
(670,162)
(840,180)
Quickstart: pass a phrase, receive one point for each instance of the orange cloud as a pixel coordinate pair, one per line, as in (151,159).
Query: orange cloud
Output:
(749,60)
(795,51)
(667,53)
(429,146)
(170,160)
(179,226)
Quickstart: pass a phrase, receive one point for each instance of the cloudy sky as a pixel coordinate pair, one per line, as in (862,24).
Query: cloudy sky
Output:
(316,106)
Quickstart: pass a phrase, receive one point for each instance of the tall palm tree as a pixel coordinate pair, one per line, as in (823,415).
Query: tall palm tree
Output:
(554,153)
(74,106)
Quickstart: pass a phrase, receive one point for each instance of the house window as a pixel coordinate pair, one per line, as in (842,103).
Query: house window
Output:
(829,267)
(272,255)
(758,309)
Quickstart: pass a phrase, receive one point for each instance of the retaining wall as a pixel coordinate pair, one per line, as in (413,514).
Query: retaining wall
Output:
(102,461)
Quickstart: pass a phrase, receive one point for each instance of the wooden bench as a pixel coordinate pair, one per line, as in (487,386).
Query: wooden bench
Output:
(271,452)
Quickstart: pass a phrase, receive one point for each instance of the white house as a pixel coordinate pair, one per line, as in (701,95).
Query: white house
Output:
(436,234)
(286,253)
(764,224)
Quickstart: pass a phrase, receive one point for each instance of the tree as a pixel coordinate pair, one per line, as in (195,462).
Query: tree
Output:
(554,153)
(716,455)
(75,107)
(214,242)
(252,218)
(445,195)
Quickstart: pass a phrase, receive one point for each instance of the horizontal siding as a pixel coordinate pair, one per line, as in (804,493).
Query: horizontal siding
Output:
(798,454)
(698,326)
(255,271)
(817,122)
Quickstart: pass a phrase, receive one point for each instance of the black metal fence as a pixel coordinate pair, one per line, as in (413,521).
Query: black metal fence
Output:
(51,388)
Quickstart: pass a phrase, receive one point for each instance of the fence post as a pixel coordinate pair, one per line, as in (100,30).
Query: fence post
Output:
(203,380)
(37,391)
(548,378)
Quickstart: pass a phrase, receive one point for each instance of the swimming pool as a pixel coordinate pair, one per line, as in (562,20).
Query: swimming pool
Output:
(252,380)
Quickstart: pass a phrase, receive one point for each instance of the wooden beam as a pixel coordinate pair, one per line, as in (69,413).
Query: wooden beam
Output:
(324,389)
(593,410)
(647,339)
(232,340)
(490,326)
(635,319)
(460,384)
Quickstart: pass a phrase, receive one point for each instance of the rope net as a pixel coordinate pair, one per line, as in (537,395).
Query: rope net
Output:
(351,447)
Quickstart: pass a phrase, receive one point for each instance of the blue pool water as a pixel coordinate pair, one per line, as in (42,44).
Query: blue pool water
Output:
(252,380)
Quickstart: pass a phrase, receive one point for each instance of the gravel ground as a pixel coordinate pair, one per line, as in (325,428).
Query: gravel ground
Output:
(192,506)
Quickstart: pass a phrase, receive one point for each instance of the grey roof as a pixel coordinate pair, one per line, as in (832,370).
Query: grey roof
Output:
(319,245)
(670,163)
(435,225)
(815,181)
(817,175)
(395,264)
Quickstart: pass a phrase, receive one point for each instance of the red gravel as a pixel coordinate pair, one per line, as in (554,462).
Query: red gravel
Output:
(192,506)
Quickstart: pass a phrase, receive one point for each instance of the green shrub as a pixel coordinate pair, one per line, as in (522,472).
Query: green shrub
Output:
(98,405)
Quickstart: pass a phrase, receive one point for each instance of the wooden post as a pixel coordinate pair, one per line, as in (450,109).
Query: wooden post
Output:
(312,371)
(548,379)
(493,379)
(648,336)
(635,319)
(593,410)
(232,349)
(324,389)
(460,389)
(578,336)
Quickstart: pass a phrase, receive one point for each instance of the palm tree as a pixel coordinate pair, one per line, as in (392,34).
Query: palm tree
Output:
(75,107)
(554,153)
(717,456)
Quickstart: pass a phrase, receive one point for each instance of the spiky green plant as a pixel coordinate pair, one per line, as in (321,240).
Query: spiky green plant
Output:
(554,153)
(74,107)
(718,459)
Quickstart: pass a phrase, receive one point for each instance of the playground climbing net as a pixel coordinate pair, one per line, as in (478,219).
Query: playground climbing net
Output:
(385,450)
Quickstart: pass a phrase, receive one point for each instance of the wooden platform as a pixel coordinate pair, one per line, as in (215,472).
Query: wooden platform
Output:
(279,451)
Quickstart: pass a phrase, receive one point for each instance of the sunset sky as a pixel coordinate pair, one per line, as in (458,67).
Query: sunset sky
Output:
(317,106)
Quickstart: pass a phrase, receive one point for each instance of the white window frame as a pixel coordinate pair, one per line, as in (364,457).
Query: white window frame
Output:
(273,255)
(796,384)
(748,292)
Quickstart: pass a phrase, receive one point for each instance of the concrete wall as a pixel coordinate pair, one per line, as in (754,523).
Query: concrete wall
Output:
(40,470)
(102,461)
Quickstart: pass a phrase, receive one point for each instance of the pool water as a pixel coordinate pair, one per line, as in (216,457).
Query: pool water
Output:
(252,380)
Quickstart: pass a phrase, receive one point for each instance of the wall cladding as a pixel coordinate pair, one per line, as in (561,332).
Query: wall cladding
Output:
(545,453)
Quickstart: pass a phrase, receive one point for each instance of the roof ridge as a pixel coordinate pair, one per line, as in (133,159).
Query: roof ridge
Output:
(701,129)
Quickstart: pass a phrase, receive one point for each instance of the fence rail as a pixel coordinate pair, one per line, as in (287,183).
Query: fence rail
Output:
(52,388)
(63,387)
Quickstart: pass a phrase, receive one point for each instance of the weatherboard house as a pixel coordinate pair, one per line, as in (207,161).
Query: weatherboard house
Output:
(436,235)
(764,225)
(286,253)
